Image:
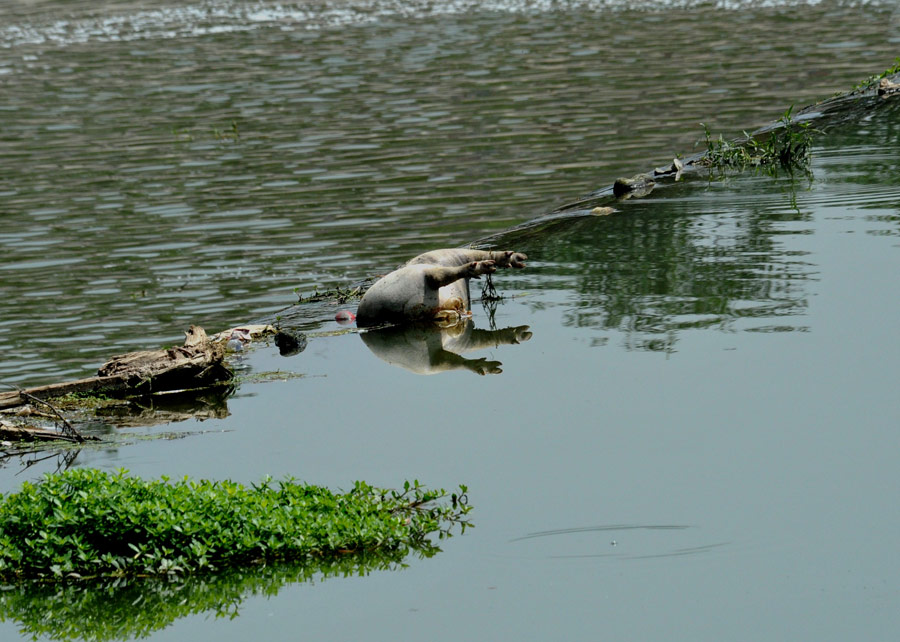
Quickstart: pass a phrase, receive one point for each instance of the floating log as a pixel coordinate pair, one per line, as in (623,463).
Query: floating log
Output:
(199,363)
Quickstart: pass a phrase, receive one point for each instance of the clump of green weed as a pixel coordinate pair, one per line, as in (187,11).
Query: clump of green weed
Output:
(86,523)
(231,134)
(787,146)
(338,295)
(890,71)
(85,400)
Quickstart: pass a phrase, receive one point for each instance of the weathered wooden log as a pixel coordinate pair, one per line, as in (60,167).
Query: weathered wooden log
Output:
(91,384)
(199,363)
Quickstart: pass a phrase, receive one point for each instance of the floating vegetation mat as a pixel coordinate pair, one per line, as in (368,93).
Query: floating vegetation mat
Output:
(86,523)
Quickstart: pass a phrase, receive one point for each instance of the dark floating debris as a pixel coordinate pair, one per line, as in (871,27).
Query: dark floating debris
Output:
(290,342)
(636,186)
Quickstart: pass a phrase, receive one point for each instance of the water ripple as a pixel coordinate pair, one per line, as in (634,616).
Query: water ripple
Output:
(217,17)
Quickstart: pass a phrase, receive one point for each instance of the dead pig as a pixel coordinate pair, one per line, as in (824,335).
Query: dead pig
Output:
(432,286)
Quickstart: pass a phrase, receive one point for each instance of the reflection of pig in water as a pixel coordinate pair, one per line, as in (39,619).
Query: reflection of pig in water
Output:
(429,348)
(432,286)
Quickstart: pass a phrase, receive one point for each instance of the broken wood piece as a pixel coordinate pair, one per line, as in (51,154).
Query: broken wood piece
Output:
(198,363)
(106,385)
(248,331)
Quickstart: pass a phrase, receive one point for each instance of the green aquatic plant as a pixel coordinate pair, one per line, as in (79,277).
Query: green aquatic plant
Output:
(180,135)
(88,400)
(337,294)
(786,146)
(890,71)
(87,523)
(231,133)
(186,134)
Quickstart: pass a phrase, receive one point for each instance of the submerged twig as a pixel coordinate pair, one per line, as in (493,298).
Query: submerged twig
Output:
(490,298)
(65,460)
(489,291)
(63,426)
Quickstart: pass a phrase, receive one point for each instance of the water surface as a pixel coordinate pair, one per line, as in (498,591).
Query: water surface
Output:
(696,441)
(196,163)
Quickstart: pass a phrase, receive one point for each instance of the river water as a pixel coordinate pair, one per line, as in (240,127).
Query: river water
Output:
(697,439)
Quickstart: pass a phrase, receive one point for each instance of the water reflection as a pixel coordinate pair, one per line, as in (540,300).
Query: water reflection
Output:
(692,255)
(168,408)
(122,609)
(432,348)
(858,158)
(109,420)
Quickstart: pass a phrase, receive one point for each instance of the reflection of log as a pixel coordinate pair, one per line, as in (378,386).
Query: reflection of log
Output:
(169,408)
(197,364)
(12,432)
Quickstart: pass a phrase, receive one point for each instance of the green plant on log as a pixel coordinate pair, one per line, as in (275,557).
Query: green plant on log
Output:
(86,523)
(787,146)
(890,71)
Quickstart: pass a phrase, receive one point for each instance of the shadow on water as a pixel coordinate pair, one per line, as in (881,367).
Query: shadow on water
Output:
(120,609)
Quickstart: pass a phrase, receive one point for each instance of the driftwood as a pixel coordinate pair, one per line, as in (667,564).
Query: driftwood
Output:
(64,428)
(14,432)
(199,363)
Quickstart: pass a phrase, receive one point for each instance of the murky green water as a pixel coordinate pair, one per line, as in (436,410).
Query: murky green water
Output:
(697,441)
